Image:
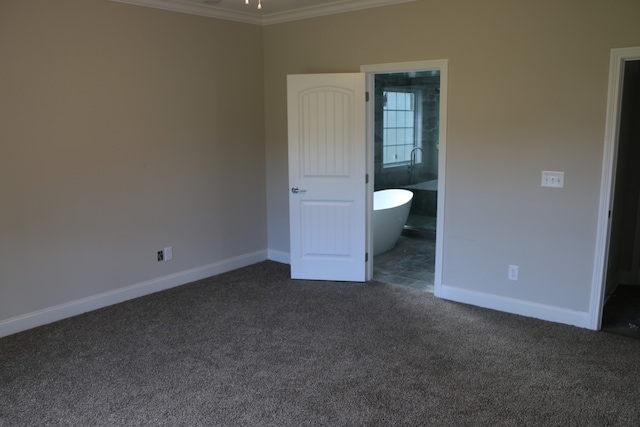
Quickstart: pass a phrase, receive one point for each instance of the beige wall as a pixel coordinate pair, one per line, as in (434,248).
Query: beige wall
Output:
(527,92)
(126,129)
(123,130)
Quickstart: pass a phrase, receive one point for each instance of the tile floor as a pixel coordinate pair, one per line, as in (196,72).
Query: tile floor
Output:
(410,263)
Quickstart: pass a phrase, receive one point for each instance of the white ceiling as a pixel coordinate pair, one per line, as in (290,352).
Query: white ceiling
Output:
(272,12)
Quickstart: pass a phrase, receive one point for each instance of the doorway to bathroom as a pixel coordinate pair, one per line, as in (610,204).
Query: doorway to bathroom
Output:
(406,144)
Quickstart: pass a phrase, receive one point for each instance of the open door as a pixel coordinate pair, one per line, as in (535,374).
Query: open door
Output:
(327,176)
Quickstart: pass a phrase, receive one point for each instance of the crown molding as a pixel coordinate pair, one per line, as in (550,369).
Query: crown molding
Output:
(327,9)
(199,9)
(202,9)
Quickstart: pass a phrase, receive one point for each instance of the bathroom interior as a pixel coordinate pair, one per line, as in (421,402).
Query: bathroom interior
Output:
(406,122)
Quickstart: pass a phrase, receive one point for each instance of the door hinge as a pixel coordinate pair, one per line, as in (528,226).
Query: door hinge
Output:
(366,97)
(366,178)
(366,257)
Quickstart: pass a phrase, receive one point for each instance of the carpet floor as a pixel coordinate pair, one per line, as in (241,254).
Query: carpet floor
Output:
(254,348)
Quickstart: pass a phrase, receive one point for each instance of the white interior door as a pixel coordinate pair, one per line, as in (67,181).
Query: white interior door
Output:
(327,172)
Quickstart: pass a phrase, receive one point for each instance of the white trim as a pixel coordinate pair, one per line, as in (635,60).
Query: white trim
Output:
(399,67)
(262,17)
(443,66)
(73,308)
(279,256)
(190,8)
(328,9)
(516,306)
(607,182)
(370,153)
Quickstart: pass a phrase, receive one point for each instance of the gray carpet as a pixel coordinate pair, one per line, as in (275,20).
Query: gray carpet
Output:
(254,348)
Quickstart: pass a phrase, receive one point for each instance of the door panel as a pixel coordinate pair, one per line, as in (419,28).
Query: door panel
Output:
(327,164)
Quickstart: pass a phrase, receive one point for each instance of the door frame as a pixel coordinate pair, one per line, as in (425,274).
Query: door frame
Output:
(441,65)
(617,60)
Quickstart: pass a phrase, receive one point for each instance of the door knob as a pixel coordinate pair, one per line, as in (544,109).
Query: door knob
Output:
(296,190)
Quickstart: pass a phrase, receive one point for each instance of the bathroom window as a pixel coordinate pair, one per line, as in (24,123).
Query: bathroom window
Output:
(399,133)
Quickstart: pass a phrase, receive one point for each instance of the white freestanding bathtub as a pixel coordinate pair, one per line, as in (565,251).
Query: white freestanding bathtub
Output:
(390,212)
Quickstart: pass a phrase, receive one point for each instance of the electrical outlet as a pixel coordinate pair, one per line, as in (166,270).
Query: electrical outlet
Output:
(513,272)
(168,253)
(160,255)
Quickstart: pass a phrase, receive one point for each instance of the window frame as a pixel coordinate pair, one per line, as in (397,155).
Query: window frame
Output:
(417,129)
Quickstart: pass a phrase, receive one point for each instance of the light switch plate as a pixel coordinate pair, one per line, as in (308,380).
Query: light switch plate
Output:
(552,179)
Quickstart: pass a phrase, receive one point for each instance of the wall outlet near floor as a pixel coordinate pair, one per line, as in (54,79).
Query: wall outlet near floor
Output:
(512,272)
(166,254)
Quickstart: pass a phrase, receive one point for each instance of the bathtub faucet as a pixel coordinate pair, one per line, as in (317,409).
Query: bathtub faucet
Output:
(412,157)
(412,162)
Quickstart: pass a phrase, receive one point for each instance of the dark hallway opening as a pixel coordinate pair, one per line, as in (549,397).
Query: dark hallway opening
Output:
(621,312)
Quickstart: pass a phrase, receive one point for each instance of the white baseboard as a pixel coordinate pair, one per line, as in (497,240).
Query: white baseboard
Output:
(279,256)
(73,308)
(516,306)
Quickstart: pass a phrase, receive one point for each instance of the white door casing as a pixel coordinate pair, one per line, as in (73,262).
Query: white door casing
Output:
(327,171)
